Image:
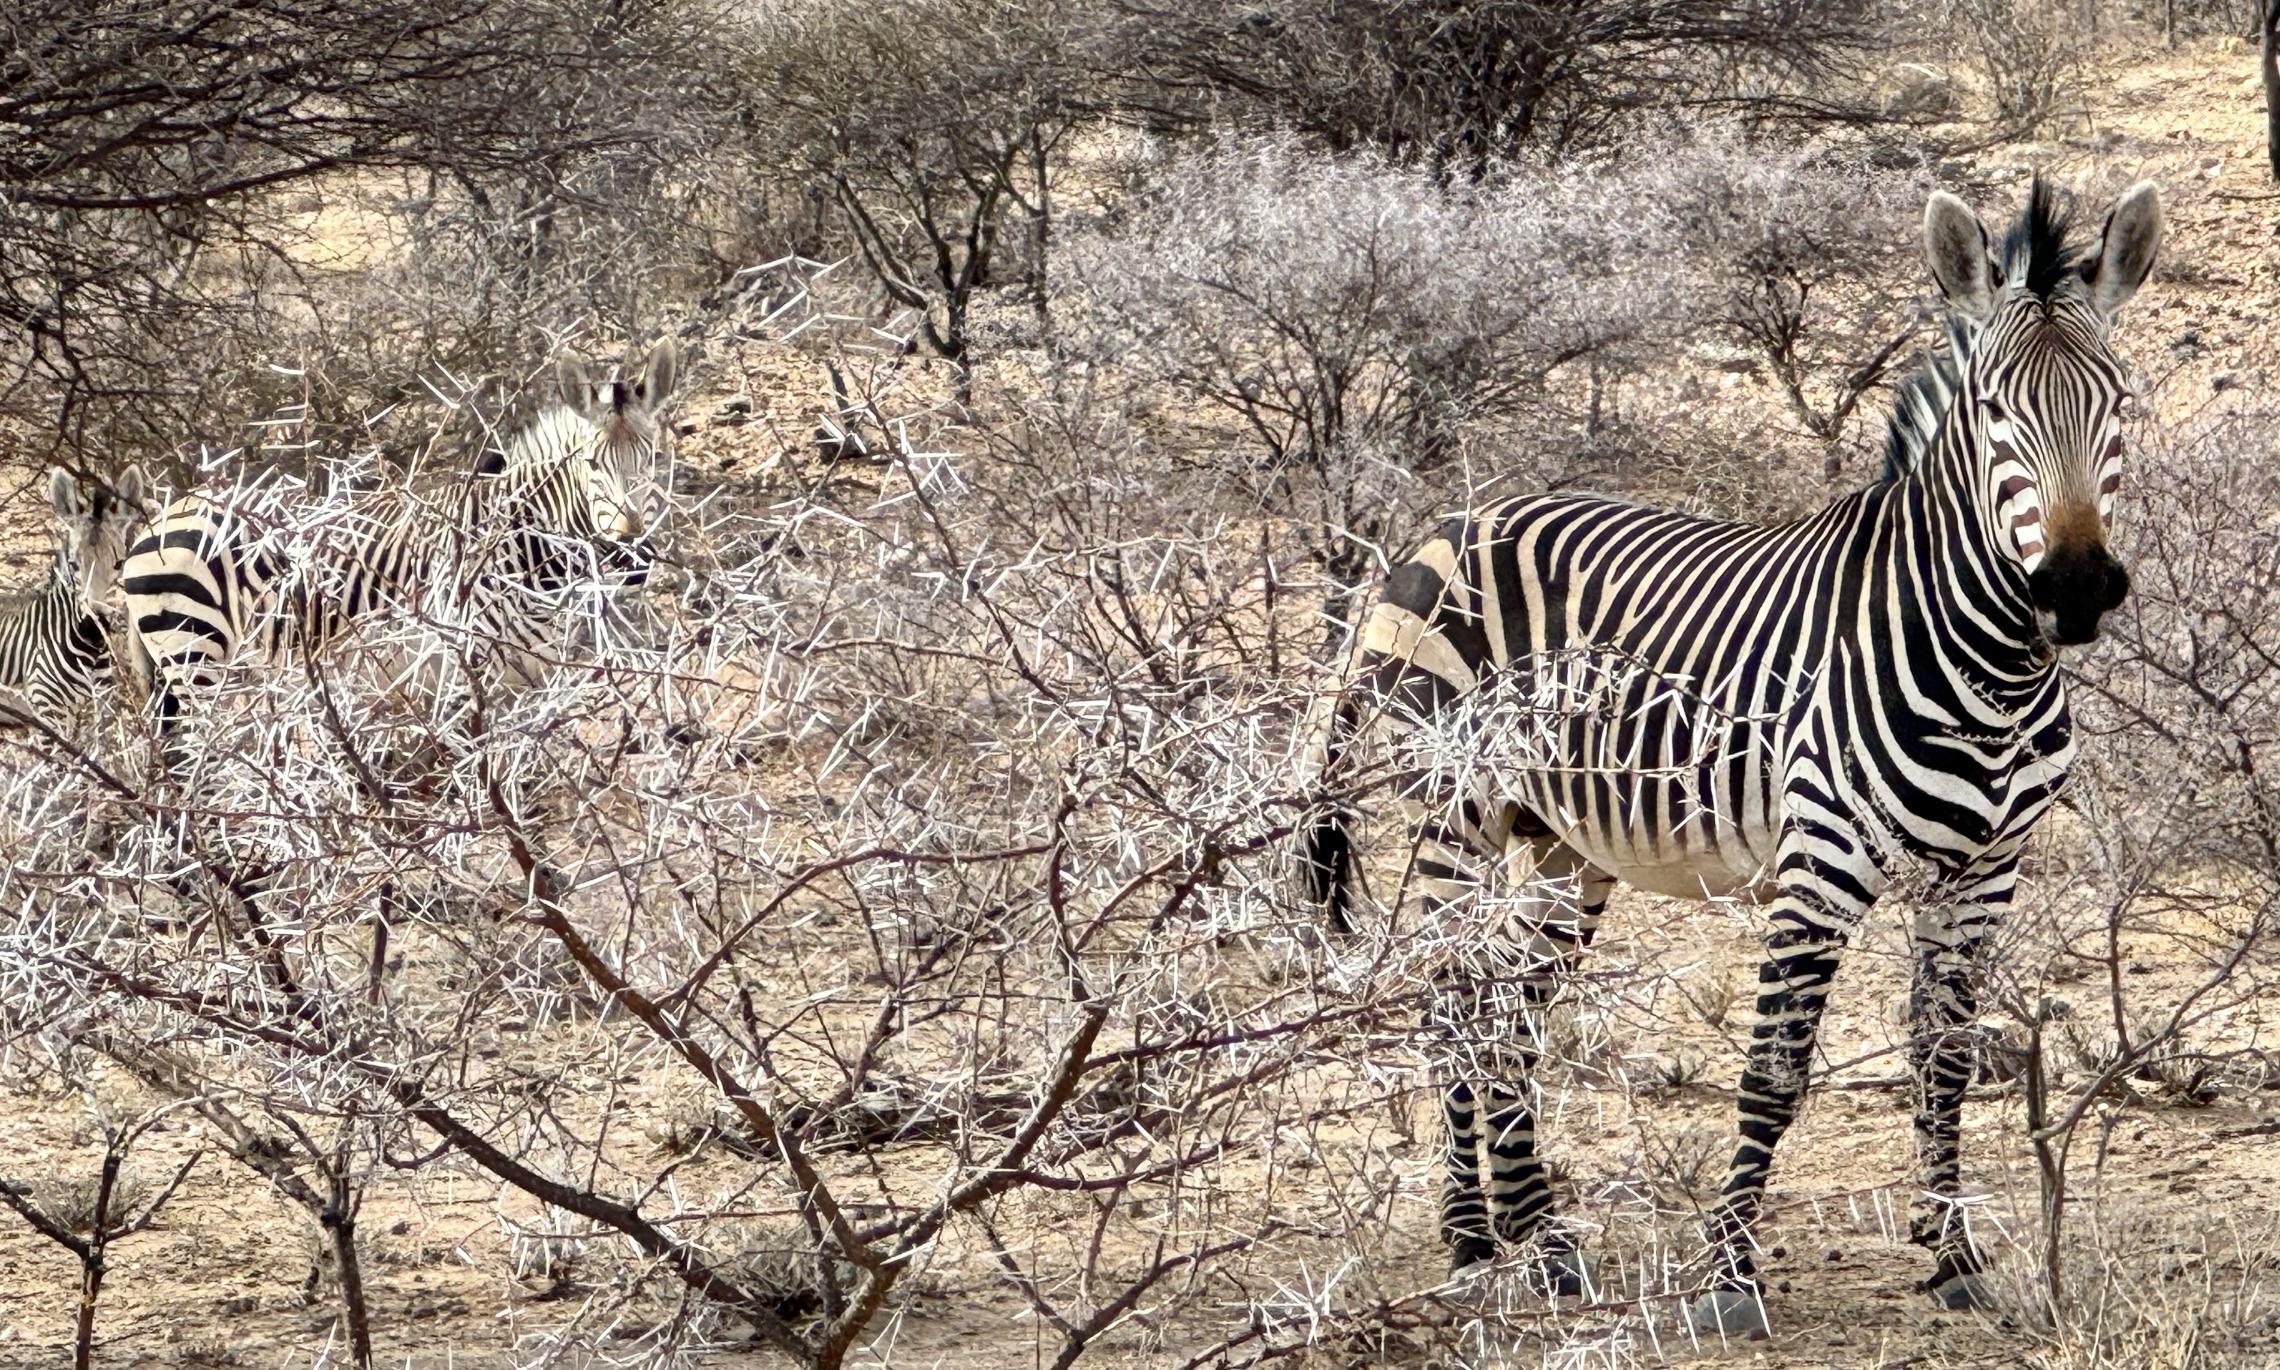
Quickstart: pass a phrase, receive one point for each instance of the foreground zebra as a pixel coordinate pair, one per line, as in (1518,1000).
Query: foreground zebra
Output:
(566,504)
(53,650)
(1778,713)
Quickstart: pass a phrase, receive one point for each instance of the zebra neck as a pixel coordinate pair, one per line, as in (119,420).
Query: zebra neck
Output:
(509,498)
(1963,600)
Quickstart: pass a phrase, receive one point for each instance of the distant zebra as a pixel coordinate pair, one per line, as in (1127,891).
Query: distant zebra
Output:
(567,503)
(53,650)
(1778,713)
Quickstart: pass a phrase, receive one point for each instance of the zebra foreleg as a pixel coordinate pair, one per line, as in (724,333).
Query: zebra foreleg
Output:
(1942,1006)
(1793,989)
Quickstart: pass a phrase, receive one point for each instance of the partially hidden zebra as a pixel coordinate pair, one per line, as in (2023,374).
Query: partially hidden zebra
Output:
(1779,713)
(565,504)
(54,651)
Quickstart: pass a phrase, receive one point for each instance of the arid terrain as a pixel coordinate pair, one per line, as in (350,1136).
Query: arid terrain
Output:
(1325,1195)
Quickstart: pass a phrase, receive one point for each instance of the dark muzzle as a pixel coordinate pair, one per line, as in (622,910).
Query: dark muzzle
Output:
(2077,586)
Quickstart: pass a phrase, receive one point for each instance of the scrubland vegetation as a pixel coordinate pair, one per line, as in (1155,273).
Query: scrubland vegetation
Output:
(874,941)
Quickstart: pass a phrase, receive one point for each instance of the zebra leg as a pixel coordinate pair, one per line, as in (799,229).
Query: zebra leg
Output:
(1449,838)
(1557,913)
(1819,902)
(1941,1008)
(1464,1206)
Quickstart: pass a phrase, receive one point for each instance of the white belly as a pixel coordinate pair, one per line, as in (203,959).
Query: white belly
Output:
(1706,877)
(1738,865)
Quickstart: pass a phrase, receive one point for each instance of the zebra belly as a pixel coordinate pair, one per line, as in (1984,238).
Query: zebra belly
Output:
(1655,835)
(1707,877)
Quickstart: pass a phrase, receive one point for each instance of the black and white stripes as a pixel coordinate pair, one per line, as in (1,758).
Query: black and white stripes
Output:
(565,505)
(1776,713)
(54,652)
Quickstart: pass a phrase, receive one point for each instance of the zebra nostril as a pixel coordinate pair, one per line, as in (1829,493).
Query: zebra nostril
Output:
(2117,584)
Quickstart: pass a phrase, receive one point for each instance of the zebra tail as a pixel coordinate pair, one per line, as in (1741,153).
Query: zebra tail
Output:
(1326,856)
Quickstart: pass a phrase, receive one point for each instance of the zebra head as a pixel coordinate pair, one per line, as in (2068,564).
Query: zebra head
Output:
(2041,396)
(623,483)
(95,530)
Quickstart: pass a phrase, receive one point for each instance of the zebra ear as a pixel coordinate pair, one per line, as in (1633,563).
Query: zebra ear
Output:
(133,488)
(572,383)
(1955,242)
(657,373)
(2126,248)
(63,493)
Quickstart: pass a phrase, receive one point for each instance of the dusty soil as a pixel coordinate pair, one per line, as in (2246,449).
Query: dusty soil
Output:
(218,1281)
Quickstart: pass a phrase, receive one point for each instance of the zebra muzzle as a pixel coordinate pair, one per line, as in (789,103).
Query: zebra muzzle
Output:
(2073,589)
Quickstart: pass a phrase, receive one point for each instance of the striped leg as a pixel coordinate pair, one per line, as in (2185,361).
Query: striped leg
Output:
(1452,838)
(1825,883)
(1561,899)
(1948,933)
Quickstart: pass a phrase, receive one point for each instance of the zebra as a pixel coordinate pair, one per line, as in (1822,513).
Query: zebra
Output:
(1781,714)
(54,651)
(569,500)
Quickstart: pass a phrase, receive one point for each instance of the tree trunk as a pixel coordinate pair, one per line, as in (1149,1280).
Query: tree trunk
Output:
(340,1226)
(1040,227)
(2268,49)
(91,1262)
(90,1289)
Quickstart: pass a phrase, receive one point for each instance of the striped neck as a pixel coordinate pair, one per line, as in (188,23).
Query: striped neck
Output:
(1989,621)
(63,578)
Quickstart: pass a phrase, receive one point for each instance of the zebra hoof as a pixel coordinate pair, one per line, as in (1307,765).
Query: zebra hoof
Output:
(1962,1292)
(1730,1313)
(1471,1255)
(1564,1275)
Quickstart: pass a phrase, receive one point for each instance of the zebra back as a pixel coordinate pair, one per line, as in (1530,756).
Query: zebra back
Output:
(563,504)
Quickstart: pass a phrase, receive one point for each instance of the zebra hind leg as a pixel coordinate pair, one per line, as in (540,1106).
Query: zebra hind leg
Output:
(1556,913)
(1464,1204)
(1448,836)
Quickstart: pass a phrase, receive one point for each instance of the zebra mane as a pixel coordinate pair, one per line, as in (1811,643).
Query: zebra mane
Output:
(1921,403)
(2039,251)
(555,434)
(2038,254)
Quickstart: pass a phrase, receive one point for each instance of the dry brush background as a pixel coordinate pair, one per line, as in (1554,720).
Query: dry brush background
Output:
(874,942)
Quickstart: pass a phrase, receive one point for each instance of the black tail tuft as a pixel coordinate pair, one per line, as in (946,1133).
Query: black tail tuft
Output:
(1329,867)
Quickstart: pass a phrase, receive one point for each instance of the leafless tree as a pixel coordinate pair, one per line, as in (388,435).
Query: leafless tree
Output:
(88,1217)
(1462,86)
(163,174)
(1356,317)
(935,123)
